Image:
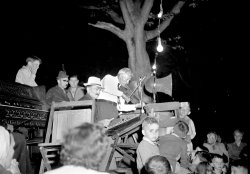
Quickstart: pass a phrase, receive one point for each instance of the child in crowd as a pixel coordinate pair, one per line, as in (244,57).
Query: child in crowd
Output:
(8,165)
(203,168)
(183,113)
(200,156)
(157,165)
(239,167)
(174,148)
(218,164)
(148,147)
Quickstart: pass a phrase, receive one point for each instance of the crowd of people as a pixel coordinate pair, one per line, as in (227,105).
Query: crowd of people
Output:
(162,149)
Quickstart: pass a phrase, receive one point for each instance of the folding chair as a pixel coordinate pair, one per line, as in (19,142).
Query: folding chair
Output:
(63,116)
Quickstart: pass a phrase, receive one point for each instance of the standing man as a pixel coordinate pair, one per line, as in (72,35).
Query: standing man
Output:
(58,93)
(74,92)
(27,74)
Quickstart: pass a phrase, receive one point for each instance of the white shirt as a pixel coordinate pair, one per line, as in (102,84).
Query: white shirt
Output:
(112,93)
(24,76)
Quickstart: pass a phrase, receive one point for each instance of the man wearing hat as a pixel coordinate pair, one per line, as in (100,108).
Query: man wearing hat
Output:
(27,74)
(93,87)
(58,93)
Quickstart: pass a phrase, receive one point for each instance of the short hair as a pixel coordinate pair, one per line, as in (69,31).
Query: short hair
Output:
(239,131)
(33,58)
(85,145)
(215,155)
(158,165)
(181,128)
(124,71)
(73,76)
(148,121)
(203,156)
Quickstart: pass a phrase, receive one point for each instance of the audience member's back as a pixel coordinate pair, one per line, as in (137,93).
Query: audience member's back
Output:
(83,149)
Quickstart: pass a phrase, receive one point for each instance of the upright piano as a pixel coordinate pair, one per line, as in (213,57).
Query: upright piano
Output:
(22,105)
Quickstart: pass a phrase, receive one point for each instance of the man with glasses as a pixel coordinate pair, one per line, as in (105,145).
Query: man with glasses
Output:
(58,93)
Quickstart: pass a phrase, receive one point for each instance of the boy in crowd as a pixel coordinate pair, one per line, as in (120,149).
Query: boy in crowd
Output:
(218,164)
(239,167)
(147,147)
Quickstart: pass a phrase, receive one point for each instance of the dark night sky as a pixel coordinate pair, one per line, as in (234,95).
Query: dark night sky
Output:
(213,69)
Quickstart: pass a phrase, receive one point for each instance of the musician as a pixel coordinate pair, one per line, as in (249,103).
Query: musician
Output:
(58,93)
(27,74)
(111,98)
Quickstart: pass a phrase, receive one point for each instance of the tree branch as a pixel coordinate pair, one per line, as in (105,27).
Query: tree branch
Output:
(125,14)
(110,27)
(176,10)
(146,8)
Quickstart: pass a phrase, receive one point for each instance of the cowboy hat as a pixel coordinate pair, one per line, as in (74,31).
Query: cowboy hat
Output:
(93,81)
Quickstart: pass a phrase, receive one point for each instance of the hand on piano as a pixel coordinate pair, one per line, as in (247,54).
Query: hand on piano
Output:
(105,122)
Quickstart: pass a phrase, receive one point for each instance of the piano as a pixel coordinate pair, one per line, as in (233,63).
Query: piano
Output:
(22,105)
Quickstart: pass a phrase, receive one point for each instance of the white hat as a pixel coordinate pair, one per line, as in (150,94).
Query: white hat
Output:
(93,81)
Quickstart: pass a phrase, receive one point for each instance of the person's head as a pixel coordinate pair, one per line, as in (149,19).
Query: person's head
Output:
(93,87)
(201,156)
(150,128)
(181,129)
(211,138)
(158,165)
(239,167)
(33,63)
(217,162)
(85,145)
(203,168)
(7,147)
(62,79)
(124,76)
(238,135)
(73,81)
(184,110)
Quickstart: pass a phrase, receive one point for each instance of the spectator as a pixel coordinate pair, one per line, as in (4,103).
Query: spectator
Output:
(239,167)
(8,165)
(218,164)
(83,149)
(27,74)
(74,92)
(200,156)
(214,146)
(58,93)
(157,165)
(235,148)
(203,168)
(174,147)
(147,147)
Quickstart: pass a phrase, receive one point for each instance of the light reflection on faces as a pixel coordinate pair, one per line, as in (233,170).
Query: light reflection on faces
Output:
(151,132)
(94,91)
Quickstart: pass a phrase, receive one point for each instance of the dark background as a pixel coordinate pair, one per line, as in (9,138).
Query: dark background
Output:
(212,72)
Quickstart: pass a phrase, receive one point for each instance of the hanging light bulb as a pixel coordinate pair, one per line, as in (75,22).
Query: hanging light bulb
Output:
(160,14)
(159,47)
